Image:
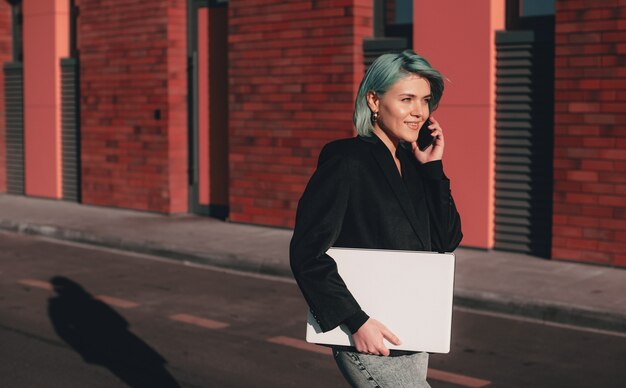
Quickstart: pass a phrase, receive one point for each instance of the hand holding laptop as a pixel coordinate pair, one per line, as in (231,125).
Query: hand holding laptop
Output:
(413,297)
(369,338)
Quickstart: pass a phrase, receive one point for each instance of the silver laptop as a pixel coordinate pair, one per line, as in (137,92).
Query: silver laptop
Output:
(409,292)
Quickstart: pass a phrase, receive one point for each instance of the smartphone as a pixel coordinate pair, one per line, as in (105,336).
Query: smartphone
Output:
(424,139)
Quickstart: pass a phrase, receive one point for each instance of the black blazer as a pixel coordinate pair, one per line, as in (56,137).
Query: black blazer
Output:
(356,198)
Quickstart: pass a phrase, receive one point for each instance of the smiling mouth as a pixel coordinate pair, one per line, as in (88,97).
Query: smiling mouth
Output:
(413,125)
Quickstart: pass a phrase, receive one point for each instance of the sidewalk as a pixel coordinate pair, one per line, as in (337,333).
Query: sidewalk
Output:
(569,293)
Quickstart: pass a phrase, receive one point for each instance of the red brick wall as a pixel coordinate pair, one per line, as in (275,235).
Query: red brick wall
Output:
(6,55)
(590,132)
(294,69)
(133,65)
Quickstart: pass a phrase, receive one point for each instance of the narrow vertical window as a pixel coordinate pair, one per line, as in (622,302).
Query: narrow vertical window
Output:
(16,16)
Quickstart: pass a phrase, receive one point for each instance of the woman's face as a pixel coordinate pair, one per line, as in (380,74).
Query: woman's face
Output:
(403,109)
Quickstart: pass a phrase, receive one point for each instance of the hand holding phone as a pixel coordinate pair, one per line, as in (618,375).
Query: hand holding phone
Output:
(428,148)
(424,137)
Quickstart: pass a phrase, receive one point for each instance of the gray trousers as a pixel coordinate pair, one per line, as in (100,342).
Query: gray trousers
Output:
(369,371)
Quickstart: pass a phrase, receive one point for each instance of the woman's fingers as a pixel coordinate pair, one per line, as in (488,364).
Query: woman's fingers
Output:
(369,338)
(435,127)
(433,123)
(437,134)
(434,152)
(389,336)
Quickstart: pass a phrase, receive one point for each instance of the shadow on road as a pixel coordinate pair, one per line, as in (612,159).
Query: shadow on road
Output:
(101,336)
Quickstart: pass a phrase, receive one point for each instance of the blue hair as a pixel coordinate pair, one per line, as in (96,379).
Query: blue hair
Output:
(385,71)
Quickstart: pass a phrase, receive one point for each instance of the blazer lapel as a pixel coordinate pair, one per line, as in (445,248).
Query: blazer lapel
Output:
(385,161)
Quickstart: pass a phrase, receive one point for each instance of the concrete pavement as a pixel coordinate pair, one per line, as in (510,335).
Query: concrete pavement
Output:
(502,282)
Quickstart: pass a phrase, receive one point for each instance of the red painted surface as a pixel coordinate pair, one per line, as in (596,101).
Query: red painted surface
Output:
(212,106)
(133,57)
(198,321)
(6,48)
(117,302)
(458,38)
(293,71)
(45,33)
(36,283)
(203,107)
(177,128)
(300,344)
(589,217)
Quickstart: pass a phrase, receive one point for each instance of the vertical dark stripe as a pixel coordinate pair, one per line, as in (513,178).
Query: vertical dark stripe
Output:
(14,108)
(373,48)
(70,129)
(524,138)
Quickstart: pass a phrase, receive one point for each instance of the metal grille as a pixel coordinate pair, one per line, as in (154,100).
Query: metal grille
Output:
(375,47)
(14,107)
(70,136)
(524,138)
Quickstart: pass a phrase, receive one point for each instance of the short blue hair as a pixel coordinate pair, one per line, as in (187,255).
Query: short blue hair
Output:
(385,71)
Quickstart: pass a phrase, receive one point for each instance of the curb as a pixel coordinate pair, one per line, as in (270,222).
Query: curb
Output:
(484,301)
(541,310)
(223,260)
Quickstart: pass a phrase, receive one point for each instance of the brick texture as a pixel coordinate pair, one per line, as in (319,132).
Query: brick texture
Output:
(6,55)
(589,222)
(294,68)
(134,104)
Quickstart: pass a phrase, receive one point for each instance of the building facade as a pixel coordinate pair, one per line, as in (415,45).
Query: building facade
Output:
(220,108)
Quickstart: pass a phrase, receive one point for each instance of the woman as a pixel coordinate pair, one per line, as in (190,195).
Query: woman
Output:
(377,190)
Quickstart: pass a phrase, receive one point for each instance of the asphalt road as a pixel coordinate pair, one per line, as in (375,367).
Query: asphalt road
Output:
(117,320)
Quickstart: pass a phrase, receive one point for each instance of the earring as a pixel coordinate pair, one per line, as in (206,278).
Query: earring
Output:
(374,117)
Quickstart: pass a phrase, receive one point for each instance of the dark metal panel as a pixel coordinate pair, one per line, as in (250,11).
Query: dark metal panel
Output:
(70,129)
(515,89)
(524,131)
(512,172)
(502,107)
(375,47)
(514,176)
(14,135)
(511,211)
(514,128)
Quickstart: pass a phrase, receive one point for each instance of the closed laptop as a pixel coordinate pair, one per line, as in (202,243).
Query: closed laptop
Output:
(409,292)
